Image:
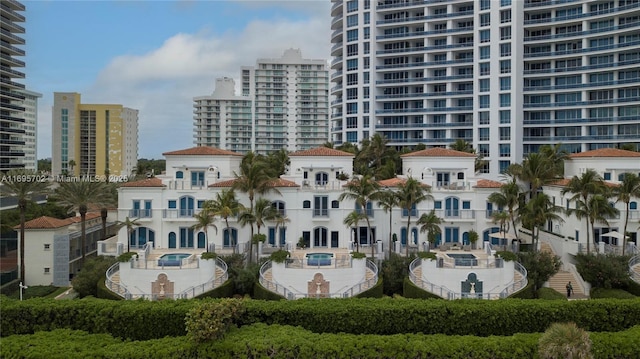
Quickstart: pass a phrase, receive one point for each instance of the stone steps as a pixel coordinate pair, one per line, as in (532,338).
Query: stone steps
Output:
(559,280)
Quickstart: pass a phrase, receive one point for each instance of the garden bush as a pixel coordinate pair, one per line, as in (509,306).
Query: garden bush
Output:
(93,271)
(225,290)
(565,340)
(260,292)
(611,293)
(604,270)
(210,320)
(393,271)
(411,290)
(373,292)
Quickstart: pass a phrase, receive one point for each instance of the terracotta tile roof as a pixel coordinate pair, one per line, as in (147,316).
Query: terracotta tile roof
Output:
(147,182)
(392,182)
(46,222)
(201,151)
(438,152)
(280,182)
(485,183)
(321,152)
(606,152)
(565,182)
(395,182)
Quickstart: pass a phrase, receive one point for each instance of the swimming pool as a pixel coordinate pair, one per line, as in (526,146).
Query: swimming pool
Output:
(319,259)
(172,259)
(464,259)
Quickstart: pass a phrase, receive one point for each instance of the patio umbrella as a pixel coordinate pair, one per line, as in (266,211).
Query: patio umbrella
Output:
(613,234)
(502,235)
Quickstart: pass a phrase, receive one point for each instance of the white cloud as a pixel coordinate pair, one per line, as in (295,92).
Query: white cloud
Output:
(161,84)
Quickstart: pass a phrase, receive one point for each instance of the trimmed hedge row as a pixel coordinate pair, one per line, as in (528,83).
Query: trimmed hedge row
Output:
(260,340)
(374,292)
(132,319)
(262,293)
(223,291)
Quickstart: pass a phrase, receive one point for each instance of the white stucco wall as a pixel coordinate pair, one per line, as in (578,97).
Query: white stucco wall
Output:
(340,279)
(494,280)
(138,281)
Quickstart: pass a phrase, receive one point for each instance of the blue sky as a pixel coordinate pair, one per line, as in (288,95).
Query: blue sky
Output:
(155,56)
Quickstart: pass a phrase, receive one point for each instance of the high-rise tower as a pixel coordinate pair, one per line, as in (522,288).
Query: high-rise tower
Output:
(11,97)
(508,76)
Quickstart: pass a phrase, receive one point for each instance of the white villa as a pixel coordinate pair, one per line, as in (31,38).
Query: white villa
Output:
(168,263)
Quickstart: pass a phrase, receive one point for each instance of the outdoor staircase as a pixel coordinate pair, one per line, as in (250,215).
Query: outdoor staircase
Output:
(636,272)
(558,281)
(115,278)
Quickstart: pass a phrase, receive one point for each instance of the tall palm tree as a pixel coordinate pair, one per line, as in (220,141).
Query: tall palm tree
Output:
(430,223)
(204,220)
(254,178)
(628,188)
(537,212)
(248,217)
(351,221)
(583,188)
(131,225)
(462,146)
(24,188)
(509,196)
(536,169)
(79,196)
(388,201)
(596,209)
(225,205)
(410,194)
(556,155)
(363,190)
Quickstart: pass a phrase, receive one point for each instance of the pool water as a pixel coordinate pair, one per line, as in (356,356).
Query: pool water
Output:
(464,259)
(172,259)
(319,259)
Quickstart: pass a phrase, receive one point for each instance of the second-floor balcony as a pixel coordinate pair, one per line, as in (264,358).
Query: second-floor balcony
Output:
(140,213)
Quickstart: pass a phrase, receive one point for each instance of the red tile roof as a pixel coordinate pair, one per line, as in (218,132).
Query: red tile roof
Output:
(321,152)
(46,222)
(606,152)
(565,182)
(147,182)
(395,182)
(201,151)
(485,183)
(438,152)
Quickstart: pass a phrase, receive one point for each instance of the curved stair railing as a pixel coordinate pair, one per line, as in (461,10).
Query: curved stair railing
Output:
(635,260)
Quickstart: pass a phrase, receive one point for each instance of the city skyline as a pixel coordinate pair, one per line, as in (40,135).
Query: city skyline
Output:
(158,70)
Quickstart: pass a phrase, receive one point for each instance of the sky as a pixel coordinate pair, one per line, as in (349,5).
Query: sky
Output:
(156,56)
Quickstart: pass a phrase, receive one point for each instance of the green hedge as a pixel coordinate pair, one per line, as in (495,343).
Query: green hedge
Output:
(262,293)
(262,341)
(132,319)
(611,293)
(410,290)
(374,292)
(105,293)
(223,291)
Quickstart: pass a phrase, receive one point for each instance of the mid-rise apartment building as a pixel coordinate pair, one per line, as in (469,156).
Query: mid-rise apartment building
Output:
(12,110)
(284,104)
(507,76)
(93,139)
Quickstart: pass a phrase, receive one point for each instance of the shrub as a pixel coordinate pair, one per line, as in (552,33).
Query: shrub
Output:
(540,267)
(212,319)
(411,290)
(125,257)
(604,270)
(34,291)
(394,270)
(262,293)
(507,256)
(358,255)
(565,340)
(86,282)
(611,293)
(373,292)
(427,255)
(280,256)
(225,290)
(209,255)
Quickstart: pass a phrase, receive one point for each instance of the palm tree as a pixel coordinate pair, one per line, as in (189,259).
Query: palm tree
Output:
(225,205)
(556,155)
(537,170)
(583,188)
(537,212)
(363,190)
(597,209)
(501,218)
(410,194)
(430,223)
(462,146)
(280,221)
(131,225)
(628,188)
(352,220)
(23,187)
(510,196)
(247,217)
(204,220)
(254,178)
(112,200)
(79,196)
(388,201)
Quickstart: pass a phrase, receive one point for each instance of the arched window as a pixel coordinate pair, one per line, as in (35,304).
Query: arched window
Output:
(140,236)
(179,175)
(202,240)
(633,205)
(452,207)
(172,239)
(229,237)
(322,178)
(186,206)
(320,237)
(280,207)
